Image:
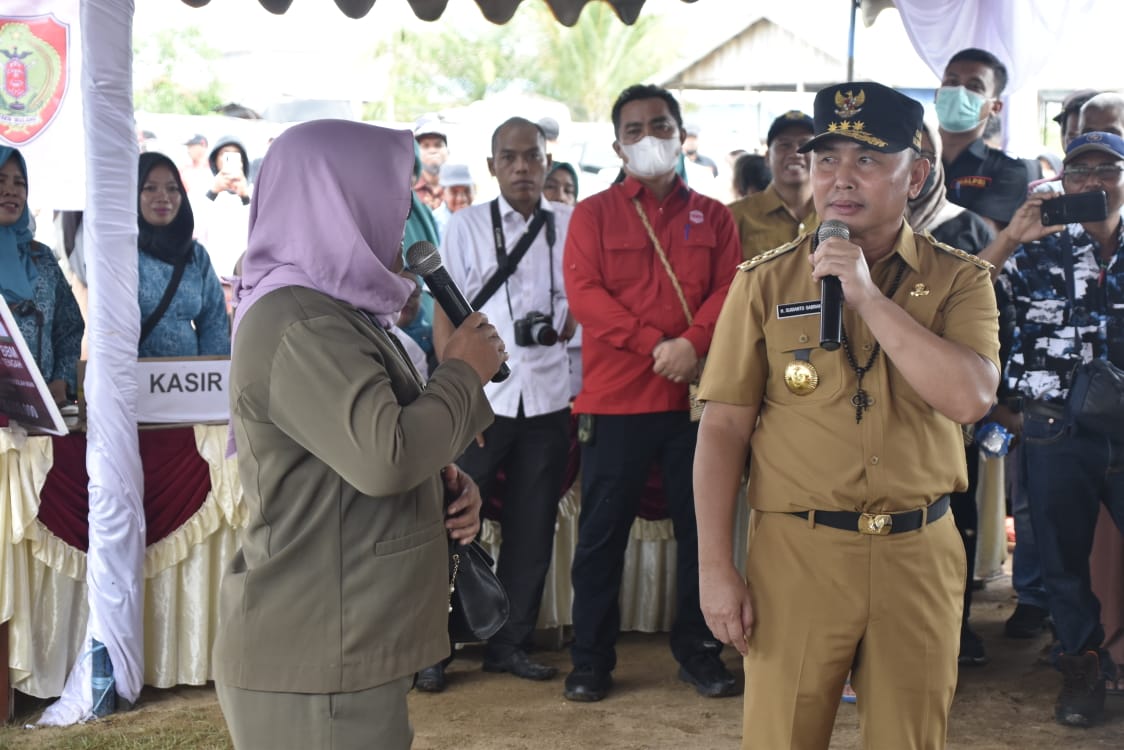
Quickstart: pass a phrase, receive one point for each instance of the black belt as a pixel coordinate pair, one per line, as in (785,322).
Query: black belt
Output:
(1043,409)
(879,524)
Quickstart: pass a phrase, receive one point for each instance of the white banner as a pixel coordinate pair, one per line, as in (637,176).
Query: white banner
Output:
(190,391)
(41,99)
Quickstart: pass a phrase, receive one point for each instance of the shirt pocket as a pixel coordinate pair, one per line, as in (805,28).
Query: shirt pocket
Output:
(627,259)
(794,340)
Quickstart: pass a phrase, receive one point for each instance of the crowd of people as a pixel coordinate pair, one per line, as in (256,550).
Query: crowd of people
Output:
(961,309)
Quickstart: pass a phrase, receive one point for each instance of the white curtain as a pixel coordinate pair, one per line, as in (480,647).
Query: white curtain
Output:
(115,560)
(1024,34)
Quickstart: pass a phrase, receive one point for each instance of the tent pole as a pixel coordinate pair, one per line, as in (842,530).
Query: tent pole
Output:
(851,42)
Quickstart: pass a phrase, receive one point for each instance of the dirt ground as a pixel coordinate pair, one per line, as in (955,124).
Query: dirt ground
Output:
(1006,705)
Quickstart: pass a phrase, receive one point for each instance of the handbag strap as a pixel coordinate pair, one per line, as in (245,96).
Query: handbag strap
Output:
(165,301)
(666,264)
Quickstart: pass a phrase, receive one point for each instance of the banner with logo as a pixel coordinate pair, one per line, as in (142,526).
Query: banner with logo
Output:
(41,99)
(24,397)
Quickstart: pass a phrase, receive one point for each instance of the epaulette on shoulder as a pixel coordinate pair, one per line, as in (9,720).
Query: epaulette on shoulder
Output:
(768,255)
(979,262)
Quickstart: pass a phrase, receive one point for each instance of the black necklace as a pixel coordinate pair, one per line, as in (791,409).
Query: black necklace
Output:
(861,399)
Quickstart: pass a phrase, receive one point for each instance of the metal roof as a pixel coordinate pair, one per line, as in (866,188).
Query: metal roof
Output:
(496,11)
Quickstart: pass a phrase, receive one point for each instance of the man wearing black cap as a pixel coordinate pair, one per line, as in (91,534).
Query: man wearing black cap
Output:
(784,209)
(854,560)
(1069,119)
(1065,286)
(978,177)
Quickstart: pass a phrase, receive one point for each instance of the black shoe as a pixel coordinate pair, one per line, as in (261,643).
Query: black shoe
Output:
(1081,701)
(972,653)
(587,685)
(1027,621)
(709,675)
(518,664)
(431,679)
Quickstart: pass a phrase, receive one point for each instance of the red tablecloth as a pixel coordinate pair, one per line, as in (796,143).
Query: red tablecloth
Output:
(176,482)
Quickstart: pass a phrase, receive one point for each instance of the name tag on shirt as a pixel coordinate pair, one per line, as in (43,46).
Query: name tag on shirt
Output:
(798,309)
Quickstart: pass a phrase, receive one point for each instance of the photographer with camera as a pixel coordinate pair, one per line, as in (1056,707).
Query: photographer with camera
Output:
(1064,291)
(506,255)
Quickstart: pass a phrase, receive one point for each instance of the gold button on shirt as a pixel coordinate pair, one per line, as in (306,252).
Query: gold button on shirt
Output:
(808,451)
(764,222)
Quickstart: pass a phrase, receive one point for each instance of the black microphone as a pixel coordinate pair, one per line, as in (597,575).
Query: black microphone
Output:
(831,291)
(423,259)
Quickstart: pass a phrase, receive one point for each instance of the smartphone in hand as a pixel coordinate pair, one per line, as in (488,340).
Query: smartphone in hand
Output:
(1075,208)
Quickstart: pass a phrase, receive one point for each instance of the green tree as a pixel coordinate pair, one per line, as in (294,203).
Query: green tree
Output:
(584,67)
(588,65)
(448,69)
(174,74)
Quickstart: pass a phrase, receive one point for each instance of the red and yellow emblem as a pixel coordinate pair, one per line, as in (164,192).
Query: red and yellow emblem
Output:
(849,104)
(33,80)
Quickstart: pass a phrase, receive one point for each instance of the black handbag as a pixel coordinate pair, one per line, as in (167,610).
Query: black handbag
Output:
(1096,388)
(1096,398)
(478,605)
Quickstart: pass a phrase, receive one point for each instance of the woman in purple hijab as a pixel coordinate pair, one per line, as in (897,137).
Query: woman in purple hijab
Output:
(339,592)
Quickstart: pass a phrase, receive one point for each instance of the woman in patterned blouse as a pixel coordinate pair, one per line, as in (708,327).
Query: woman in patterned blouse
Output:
(193,321)
(34,287)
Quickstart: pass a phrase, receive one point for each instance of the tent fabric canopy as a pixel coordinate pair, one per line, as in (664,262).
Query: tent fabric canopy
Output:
(496,11)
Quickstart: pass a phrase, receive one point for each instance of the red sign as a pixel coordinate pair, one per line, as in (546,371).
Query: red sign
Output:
(33,53)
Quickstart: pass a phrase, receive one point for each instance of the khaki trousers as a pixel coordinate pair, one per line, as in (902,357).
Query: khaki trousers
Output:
(827,601)
(373,718)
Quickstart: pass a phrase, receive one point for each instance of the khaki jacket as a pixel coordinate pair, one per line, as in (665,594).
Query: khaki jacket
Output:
(341,582)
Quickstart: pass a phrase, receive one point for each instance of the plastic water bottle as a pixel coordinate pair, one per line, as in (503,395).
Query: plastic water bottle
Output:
(102,685)
(994,439)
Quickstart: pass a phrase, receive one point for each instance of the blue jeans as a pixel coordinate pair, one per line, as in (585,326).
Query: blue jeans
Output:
(1069,473)
(1026,568)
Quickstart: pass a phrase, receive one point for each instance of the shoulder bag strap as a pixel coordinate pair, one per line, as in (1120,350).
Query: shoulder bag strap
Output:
(165,301)
(666,264)
(508,263)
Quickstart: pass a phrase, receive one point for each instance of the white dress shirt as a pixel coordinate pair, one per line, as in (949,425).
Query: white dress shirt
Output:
(539,374)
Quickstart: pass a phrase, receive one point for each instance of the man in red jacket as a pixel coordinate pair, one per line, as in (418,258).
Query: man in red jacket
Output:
(647,265)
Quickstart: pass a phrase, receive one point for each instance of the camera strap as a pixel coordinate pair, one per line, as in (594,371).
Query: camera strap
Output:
(506,264)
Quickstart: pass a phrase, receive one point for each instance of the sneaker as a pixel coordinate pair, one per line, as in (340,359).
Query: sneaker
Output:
(709,675)
(1027,621)
(431,679)
(1081,701)
(972,653)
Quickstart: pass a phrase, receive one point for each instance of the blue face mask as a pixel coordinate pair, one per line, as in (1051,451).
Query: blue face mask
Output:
(958,109)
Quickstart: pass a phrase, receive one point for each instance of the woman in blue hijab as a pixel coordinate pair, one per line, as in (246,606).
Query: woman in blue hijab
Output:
(34,287)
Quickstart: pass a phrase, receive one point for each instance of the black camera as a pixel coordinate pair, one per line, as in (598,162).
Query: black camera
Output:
(535,329)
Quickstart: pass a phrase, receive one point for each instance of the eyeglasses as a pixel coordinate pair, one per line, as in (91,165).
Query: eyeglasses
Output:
(1104,172)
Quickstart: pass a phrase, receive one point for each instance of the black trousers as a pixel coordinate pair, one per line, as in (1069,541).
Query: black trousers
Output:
(614,469)
(532,452)
(967,516)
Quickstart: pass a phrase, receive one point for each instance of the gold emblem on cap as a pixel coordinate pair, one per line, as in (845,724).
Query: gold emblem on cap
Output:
(800,377)
(849,104)
(919,290)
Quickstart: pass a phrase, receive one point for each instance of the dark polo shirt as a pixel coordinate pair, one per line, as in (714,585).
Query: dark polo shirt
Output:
(987,181)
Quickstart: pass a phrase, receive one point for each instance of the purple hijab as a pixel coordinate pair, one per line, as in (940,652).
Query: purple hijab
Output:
(329,207)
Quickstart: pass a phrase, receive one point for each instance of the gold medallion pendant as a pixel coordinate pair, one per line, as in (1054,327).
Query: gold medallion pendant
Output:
(800,377)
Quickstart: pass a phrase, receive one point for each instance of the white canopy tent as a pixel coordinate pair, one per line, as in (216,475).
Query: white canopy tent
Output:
(1011,28)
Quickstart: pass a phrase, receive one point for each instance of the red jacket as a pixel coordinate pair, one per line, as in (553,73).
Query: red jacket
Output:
(621,294)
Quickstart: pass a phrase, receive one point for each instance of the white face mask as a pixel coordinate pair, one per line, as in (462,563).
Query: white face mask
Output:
(651,157)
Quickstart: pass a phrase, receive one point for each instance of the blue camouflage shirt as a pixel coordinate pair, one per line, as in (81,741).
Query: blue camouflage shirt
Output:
(1040,324)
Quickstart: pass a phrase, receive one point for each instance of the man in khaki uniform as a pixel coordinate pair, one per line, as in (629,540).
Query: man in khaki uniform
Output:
(783,210)
(854,561)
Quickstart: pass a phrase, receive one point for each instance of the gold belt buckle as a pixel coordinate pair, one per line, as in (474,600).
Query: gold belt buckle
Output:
(875,524)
